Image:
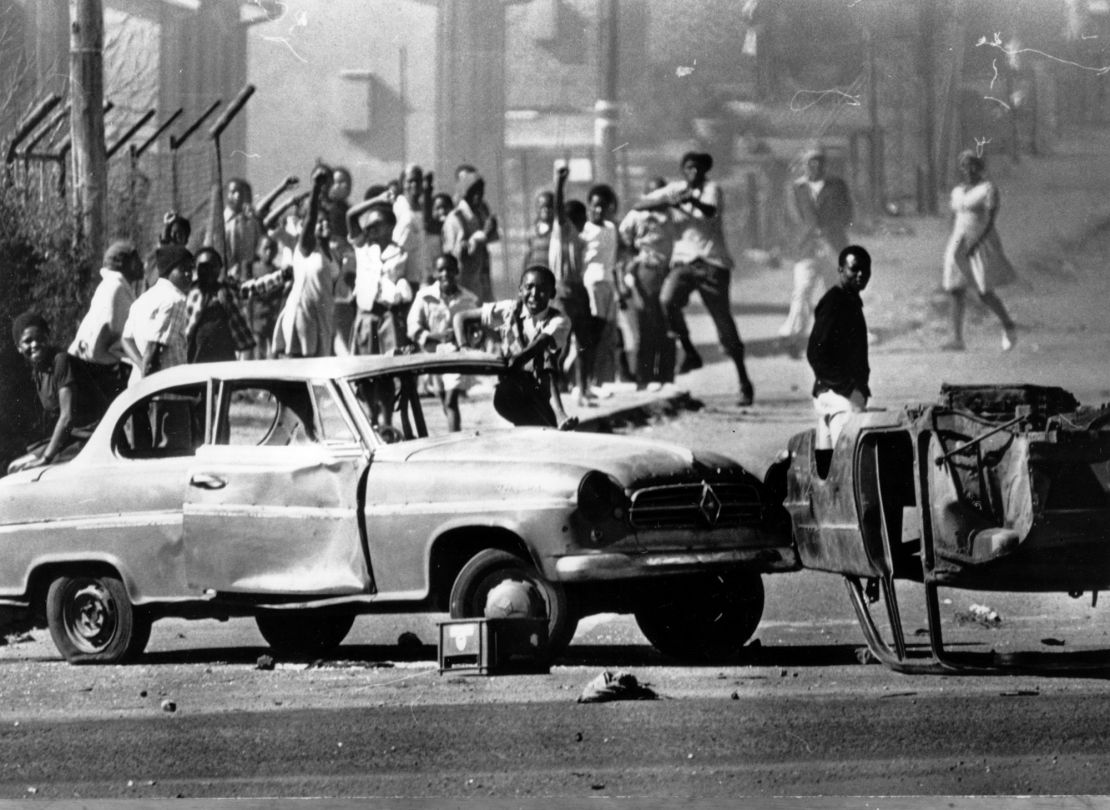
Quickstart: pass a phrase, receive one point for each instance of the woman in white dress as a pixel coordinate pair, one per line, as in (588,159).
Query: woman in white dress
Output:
(306,325)
(974,253)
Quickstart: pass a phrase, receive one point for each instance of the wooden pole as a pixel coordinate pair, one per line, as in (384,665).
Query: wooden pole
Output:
(926,22)
(606,110)
(90,164)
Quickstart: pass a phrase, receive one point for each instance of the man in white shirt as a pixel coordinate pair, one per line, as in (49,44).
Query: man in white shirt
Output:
(700,261)
(154,334)
(99,335)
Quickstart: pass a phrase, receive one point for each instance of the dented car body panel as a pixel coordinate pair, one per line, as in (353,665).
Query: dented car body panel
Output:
(994,488)
(222,488)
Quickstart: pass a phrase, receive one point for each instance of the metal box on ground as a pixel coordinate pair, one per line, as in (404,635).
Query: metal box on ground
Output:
(493,646)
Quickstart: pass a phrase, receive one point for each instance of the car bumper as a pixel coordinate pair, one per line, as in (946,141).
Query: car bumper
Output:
(609,565)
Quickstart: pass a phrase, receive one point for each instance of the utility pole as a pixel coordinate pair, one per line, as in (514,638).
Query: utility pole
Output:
(876,152)
(86,83)
(605,110)
(926,21)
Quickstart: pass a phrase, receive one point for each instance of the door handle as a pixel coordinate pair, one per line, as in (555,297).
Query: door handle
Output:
(207,481)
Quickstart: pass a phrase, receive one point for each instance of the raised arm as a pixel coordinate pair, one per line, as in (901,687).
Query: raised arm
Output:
(273,219)
(263,207)
(306,242)
(355,234)
(561,174)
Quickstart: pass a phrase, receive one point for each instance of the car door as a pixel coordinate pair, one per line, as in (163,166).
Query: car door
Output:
(272,499)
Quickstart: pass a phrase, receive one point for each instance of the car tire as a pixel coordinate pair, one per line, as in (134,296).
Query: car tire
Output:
(92,621)
(489,568)
(703,618)
(303,632)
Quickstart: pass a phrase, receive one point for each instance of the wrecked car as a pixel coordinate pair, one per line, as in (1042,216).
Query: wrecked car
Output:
(991,488)
(304,492)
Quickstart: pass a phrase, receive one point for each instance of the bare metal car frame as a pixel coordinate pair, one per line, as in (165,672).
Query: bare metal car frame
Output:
(993,488)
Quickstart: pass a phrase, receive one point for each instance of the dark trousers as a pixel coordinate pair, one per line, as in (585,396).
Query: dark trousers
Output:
(712,283)
(655,356)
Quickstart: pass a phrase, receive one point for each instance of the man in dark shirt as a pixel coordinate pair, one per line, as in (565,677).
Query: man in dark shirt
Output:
(837,350)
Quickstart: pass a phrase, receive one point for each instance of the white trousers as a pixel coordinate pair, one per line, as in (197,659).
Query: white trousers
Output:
(833,411)
(812,277)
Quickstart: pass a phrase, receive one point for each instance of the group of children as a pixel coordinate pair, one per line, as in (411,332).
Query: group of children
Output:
(408,269)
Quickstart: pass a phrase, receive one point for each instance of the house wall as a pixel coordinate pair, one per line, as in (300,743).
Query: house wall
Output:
(306,110)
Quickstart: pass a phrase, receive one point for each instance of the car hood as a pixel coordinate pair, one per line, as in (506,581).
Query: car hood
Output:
(627,459)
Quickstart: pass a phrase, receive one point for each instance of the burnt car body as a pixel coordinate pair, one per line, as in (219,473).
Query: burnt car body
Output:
(992,488)
(305,492)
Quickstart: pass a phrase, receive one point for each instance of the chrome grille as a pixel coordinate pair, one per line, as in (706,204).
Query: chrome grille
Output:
(695,505)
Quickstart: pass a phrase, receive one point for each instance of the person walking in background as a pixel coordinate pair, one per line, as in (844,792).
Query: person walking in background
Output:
(306,325)
(823,206)
(700,261)
(215,328)
(837,352)
(649,236)
(974,252)
(467,233)
(99,335)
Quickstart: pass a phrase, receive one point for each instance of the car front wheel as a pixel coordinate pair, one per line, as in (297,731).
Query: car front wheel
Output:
(93,622)
(303,632)
(498,584)
(702,618)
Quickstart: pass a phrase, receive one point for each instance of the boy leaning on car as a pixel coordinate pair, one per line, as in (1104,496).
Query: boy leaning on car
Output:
(837,351)
(533,337)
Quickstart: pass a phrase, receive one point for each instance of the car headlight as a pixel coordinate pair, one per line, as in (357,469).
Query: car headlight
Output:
(600,498)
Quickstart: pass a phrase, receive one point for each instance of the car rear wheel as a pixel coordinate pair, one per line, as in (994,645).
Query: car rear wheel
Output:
(518,590)
(303,632)
(93,622)
(703,618)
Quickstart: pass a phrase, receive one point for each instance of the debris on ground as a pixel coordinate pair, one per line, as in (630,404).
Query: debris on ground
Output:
(1053,642)
(16,638)
(264,662)
(169,706)
(410,641)
(981,615)
(321,663)
(616,686)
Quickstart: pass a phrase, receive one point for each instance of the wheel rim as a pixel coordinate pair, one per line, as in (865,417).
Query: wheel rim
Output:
(90,616)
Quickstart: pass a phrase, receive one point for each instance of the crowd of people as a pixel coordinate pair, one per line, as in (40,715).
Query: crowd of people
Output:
(601,298)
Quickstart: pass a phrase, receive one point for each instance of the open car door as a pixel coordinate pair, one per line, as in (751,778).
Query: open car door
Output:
(272,500)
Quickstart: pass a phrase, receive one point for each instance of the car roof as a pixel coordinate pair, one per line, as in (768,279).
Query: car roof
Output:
(313,368)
